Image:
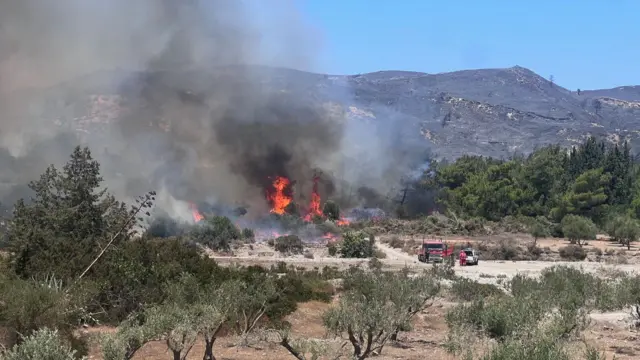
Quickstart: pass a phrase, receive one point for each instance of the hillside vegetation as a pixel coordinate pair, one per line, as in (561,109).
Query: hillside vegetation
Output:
(554,191)
(74,259)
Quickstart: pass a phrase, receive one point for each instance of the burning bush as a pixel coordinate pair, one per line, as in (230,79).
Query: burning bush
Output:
(217,233)
(357,244)
(288,244)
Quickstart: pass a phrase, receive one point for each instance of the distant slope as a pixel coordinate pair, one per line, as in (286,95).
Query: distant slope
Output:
(495,112)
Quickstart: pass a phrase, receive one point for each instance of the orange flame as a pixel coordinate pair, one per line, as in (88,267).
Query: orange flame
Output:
(314,205)
(195,213)
(342,222)
(278,199)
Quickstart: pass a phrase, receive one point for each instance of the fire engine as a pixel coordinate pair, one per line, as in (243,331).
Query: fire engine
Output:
(434,250)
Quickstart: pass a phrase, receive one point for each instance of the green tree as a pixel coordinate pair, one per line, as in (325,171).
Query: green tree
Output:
(126,341)
(331,210)
(176,325)
(537,231)
(288,244)
(217,233)
(67,222)
(586,196)
(578,228)
(624,229)
(375,306)
(355,244)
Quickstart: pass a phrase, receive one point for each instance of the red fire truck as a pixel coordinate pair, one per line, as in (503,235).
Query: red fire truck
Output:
(434,250)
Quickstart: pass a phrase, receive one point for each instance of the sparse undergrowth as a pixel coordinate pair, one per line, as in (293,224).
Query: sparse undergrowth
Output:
(534,318)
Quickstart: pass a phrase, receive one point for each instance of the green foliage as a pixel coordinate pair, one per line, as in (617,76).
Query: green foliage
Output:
(288,244)
(578,228)
(537,316)
(539,347)
(217,233)
(332,249)
(67,222)
(331,210)
(586,196)
(248,234)
(357,244)
(468,290)
(624,229)
(44,344)
(29,305)
(135,273)
(376,305)
(590,180)
(572,252)
(539,230)
(126,341)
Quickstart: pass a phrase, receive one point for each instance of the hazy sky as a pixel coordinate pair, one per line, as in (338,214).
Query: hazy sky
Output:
(585,44)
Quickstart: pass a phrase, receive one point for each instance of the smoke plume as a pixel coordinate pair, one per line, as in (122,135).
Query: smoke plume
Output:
(173,96)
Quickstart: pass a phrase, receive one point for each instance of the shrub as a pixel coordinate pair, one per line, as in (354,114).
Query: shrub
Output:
(331,210)
(288,244)
(332,249)
(572,252)
(504,250)
(29,305)
(538,347)
(468,290)
(248,234)
(217,233)
(498,318)
(356,245)
(164,227)
(328,227)
(43,344)
(135,273)
(396,243)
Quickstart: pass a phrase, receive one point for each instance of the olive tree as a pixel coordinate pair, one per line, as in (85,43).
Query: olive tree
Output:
(537,231)
(376,306)
(44,344)
(624,229)
(578,228)
(176,325)
(126,341)
(213,310)
(301,349)
(252,300)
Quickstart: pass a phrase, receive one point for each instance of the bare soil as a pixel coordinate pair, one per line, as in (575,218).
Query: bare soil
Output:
(608,331)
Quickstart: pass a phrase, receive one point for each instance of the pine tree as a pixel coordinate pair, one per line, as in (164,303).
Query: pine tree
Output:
(67,222)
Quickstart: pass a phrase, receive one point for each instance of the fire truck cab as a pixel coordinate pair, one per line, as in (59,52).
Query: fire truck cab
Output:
(434,250)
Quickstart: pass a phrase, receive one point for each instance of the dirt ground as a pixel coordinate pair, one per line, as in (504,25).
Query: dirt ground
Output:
(608,331)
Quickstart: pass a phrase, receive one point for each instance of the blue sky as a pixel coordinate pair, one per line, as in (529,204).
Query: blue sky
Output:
(584,44)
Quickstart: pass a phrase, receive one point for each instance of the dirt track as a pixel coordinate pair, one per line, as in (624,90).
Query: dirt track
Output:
(486,271)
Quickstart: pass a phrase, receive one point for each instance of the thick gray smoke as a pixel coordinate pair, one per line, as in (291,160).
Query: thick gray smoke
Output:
(162,92)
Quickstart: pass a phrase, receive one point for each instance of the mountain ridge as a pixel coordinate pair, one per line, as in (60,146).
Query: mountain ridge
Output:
(493,112)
